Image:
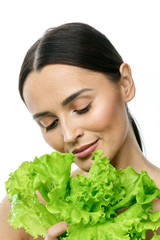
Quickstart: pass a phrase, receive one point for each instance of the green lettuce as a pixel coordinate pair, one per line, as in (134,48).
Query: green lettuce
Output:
(90,205)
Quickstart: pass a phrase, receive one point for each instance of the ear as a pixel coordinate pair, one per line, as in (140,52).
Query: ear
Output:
(126,83)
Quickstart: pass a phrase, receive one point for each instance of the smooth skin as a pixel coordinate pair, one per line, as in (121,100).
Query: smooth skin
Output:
(75,107)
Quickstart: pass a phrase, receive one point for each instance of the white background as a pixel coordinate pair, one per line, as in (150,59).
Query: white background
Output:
(134,29)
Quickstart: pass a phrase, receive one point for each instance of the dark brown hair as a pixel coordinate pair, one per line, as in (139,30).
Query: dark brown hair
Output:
(79,45)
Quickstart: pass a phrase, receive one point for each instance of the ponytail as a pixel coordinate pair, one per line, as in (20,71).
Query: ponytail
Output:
(135,129)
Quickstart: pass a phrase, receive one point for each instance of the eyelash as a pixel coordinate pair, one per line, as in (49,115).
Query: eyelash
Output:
(52,125)
(84,110)
(79,112)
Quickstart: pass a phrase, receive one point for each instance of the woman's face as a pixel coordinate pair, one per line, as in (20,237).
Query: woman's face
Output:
(78,111)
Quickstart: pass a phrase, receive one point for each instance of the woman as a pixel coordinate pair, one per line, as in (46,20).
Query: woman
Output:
(76,86)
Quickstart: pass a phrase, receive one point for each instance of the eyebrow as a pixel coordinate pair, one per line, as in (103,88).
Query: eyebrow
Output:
(64,103)
(40,114)
(74,95)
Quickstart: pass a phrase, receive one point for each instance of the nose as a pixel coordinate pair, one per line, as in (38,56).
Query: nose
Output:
(71,131)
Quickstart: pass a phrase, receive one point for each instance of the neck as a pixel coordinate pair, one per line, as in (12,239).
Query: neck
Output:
(130,154)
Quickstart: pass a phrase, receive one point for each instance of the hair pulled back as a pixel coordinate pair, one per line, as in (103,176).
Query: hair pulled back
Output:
(75,44)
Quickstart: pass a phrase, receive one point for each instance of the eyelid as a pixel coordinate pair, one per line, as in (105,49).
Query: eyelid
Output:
(80,102)
(44,122)
(41,123)
(84,109)
(52,125)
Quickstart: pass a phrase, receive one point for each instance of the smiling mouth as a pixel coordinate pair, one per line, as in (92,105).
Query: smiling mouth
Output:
(85,150)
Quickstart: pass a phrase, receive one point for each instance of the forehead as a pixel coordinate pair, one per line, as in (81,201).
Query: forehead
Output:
(54,76)
(56,82)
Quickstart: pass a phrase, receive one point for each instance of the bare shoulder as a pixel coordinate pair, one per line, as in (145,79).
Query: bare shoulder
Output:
(7,231)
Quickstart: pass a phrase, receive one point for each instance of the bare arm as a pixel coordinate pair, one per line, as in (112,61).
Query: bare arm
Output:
(7,232)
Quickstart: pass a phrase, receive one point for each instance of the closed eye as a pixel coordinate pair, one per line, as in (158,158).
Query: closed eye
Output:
(52,125)
(84,110)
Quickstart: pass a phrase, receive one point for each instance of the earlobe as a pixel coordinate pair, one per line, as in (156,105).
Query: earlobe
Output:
(126,83)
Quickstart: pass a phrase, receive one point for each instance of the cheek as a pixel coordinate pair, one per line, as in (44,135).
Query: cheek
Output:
(54,141)
(104,117)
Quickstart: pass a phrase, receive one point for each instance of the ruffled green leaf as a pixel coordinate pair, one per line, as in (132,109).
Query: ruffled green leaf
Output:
(90,205)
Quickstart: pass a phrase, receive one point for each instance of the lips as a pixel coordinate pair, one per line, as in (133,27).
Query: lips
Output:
(85,150)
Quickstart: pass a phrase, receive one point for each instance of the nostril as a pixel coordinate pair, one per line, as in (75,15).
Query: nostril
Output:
(79,136)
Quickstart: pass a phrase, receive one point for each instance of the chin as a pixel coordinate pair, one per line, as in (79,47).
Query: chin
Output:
(84,164)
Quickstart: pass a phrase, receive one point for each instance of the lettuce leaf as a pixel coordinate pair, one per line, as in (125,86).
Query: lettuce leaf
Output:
(90,205)
(42,175)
